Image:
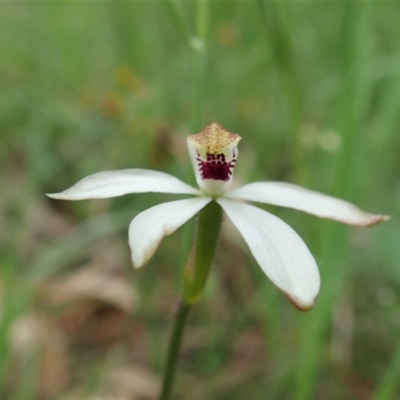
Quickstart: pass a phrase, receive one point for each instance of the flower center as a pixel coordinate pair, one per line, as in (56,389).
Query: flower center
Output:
(215,166)
(213,153)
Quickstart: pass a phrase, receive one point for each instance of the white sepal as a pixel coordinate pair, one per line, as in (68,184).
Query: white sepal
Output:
(149,227)
(296,197)
(279,250)
(117,183)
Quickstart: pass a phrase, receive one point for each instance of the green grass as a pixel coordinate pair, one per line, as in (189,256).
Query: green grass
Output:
(314,90)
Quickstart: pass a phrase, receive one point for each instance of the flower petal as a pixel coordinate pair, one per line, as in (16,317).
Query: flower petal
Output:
(292,196)
(150,226)
(279,250)
(117,183)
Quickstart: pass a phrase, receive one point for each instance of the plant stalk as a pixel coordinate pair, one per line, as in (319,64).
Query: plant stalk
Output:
(173,349)
(195,278)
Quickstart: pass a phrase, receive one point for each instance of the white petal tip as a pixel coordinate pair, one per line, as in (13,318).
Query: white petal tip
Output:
(55,195)
(371,219)
(65,195)
(378,219)
(300,304)
(138,265)
(140,260)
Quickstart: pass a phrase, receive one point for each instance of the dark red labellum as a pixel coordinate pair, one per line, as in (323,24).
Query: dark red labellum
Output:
(216,167)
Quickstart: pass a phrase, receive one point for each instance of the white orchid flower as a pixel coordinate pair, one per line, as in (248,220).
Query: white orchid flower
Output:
(280,252)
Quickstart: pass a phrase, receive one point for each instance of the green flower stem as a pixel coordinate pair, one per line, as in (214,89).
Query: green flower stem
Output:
(198,267)
(173,350)
(196,273)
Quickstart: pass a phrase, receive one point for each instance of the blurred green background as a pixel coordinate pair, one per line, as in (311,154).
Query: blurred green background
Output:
(314,90)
